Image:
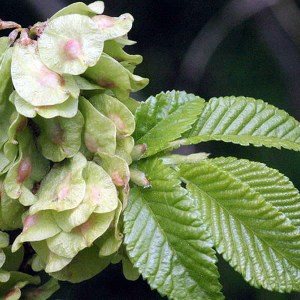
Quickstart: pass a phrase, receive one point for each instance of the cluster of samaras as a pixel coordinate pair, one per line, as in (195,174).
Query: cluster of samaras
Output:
(66,120)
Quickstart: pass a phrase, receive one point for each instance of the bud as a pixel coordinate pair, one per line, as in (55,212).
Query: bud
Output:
(139,178)
(138,151)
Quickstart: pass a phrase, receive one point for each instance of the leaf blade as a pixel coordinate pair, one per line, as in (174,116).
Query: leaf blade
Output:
(256,239)
(177,259)
(164,118)
(272,185)
(245,121)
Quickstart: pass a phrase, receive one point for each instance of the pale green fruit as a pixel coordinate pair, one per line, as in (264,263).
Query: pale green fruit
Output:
(5,75)
(10,210)
(99,131)
(111,27)
(70,44)
(110,74)
(115,50)
(124,148)
(30,167)
(8,153)
(60,138)
(67,109)
(63,188)
(81,8)
(101,197)
(116,167)
(115,111)
(35,83)
(85,265)
(4,45)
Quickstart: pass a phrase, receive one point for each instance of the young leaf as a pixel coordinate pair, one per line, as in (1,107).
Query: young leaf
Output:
(166,239)
(245,121)
(258,241)
(164,118)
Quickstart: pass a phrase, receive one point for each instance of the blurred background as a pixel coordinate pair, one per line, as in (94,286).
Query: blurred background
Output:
(210,48)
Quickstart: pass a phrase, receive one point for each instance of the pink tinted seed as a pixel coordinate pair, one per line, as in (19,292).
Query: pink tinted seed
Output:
(24,170)
(72,49)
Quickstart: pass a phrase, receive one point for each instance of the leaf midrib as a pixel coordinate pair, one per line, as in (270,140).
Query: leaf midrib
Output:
(220,137)
(236,218)
(166,239)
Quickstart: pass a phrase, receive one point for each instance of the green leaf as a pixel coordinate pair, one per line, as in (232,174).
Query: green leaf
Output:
(166,239)
(245,121)
(256,239)
(269,183)
(60,137)
(164,118)
(71,50)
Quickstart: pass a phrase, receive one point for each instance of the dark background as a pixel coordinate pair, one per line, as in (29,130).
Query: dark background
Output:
(210,48)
